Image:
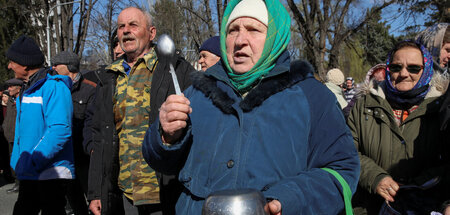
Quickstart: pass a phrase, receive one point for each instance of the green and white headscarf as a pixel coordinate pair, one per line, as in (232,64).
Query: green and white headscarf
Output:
(277,39)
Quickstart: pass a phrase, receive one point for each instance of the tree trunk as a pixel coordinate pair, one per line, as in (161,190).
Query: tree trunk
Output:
(208,17)
(86,19)
(219,13)
(322,24)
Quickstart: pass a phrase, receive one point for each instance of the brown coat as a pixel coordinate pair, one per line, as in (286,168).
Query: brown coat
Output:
(9,123)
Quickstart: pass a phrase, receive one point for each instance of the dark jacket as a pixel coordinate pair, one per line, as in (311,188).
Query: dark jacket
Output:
(9,123)
(444,120)
(104,167)
(411,153)
(274,140)
(82,95)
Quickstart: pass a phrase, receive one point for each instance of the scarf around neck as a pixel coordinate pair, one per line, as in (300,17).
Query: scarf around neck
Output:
(277,39)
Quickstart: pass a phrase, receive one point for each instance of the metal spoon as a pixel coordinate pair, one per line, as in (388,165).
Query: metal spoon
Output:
(167,48)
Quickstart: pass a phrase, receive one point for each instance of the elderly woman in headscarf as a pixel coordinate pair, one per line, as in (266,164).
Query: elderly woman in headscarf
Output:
(437,41)
(395,129)
(251,122)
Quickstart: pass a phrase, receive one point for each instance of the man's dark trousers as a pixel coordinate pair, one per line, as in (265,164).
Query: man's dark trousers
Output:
(47,196)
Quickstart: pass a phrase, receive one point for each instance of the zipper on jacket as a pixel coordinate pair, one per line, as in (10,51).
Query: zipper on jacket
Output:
(34,148)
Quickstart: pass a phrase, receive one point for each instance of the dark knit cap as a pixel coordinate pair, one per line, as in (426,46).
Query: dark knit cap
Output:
(69,59)
(25,52)
(212,45)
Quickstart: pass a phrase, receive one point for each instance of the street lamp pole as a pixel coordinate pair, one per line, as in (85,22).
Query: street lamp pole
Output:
(48,27)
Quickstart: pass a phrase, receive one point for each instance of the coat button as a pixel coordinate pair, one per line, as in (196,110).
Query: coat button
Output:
(230,164)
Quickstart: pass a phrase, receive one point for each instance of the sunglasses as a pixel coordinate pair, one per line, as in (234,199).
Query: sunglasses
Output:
(411,68)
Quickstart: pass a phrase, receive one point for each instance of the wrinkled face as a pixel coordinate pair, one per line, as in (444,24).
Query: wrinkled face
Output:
(20,72)
(133,32)
(407,56)
(207,59)
(445,55)
(14,90)
(118,51)
(61,69)
(245,43)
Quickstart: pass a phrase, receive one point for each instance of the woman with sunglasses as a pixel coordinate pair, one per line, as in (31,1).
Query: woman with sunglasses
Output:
(396,131)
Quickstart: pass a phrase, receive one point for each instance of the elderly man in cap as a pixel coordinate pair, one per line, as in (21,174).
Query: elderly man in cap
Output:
(14,85)
(42,156)
(67,63)
(209,52)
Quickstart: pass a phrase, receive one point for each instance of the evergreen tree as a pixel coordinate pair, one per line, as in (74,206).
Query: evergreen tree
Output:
(14,23)
(168,19)
(375,40)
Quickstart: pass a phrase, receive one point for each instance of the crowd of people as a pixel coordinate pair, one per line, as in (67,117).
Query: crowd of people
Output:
(124,142)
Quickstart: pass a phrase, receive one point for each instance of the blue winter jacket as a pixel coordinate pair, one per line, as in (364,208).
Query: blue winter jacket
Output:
(42,144)
(275,140)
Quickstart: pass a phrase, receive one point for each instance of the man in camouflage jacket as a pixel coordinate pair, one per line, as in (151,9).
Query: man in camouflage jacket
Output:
(128,96)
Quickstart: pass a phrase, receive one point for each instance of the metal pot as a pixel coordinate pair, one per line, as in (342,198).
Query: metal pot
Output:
(235,202)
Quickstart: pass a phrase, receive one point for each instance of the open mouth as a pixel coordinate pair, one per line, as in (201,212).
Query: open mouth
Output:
(127,39)
(240,56)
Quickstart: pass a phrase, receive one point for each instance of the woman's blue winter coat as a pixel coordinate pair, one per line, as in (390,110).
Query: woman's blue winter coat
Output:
(275,140)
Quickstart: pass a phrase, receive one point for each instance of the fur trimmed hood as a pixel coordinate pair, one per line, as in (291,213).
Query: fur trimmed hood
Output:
(438,86)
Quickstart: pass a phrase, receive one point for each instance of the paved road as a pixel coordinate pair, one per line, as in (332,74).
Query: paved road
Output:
(6,200)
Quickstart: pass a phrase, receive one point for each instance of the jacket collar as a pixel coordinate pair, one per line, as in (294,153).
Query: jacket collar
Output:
(76,85)
(282,65)
(376,99)
(117,66)
(280,78)
(65,79)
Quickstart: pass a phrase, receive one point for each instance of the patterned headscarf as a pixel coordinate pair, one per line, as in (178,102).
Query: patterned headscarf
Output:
(405,99)
(277,39)
(432,38)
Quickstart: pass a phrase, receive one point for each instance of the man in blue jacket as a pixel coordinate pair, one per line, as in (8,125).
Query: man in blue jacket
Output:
(42,155)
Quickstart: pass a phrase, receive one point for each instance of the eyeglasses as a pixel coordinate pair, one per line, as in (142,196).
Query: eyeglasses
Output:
(411,68)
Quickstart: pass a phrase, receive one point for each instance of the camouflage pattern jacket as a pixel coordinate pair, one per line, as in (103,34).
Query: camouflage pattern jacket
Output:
(104,167)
